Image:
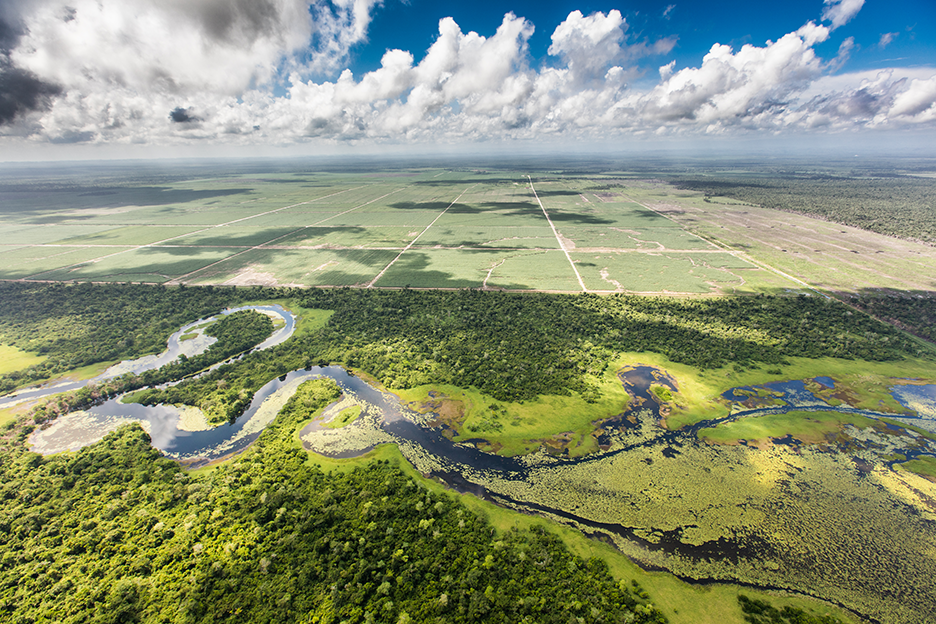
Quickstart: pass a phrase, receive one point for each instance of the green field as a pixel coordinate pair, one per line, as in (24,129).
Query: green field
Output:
(13,359)
(435,216)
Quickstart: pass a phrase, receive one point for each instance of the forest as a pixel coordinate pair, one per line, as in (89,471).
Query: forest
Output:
(115,533)
(510,346)
(518,346)
(74,325)
(914,312)
(895,205)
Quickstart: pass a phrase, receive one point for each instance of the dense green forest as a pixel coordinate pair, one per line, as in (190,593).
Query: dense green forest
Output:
(518,346)
(115,533)
(914,312)
(511,346)
(903,206)
(74,325)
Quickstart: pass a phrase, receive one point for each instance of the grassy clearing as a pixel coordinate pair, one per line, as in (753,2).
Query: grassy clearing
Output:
(407,218)
(652,272)
(535,270)
(866,383)
(131,235)
(468,236)
(231,236)
(8,415)
(13,359)
(517,428)
(312,267)
(924,466)
(824,254)
(344,418)
(351,237)
(45,234)
(41,261)
(440,268)
(808,427)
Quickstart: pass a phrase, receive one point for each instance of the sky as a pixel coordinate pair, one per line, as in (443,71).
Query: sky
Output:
(242,77)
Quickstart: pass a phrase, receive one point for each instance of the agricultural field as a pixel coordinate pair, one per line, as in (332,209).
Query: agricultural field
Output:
(427,228)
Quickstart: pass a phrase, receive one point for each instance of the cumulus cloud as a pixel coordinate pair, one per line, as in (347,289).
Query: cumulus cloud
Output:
(917,103)
(840,12)
(184,71)
(730,86)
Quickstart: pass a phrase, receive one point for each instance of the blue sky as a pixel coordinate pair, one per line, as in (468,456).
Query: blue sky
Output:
(238,76)
(412,26)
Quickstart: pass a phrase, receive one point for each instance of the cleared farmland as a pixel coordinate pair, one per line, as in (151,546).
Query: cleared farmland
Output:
(419,228)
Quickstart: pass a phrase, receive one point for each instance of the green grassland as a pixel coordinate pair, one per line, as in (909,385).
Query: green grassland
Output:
(13,359)
(657,272)
(44,234)
(416,218)
(512,428)
(230,236)
(342,211)
(290,219)
(807,427)
(130,235)
(925,466)
(440,268)
(502,237)
(344,418)
(351,236)
(535,270)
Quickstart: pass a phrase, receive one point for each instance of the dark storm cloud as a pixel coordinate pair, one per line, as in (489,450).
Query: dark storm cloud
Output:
(236,21)
(21,91)
(182,115)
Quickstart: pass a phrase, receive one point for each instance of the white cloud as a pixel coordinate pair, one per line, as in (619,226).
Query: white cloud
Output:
(731,86)
(182,46)
(886,39)
(840,12)
(589,44)
(917,103)
(125,70)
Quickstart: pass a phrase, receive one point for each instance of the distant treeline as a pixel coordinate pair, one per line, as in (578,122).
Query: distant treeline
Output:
(901,206)
(116,533)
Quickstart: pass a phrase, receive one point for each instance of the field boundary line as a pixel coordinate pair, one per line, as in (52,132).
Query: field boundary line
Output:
(558,238)
(211,227)
(413,242)
(351,209)
(733,252)
(179,279)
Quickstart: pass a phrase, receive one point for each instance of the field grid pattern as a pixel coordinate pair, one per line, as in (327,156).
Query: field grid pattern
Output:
(418,228)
